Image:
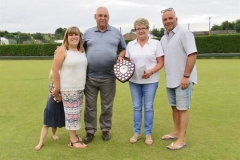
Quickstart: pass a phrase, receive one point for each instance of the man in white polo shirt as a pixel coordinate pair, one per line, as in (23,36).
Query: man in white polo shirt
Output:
(180,54)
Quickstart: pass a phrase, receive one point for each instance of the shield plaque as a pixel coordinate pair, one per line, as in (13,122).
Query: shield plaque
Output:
(124,70)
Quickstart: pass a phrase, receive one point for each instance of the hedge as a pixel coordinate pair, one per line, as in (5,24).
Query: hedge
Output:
(218,44)
(205,44)
(28,49)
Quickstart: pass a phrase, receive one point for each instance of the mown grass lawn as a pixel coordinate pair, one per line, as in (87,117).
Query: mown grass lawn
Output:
(213,131)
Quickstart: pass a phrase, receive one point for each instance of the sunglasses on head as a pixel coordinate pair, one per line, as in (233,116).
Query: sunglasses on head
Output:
(168,9)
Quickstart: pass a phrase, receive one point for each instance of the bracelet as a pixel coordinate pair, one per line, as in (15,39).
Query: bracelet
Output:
(186,76)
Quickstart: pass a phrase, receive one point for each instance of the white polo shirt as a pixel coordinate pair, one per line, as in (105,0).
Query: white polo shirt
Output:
(176,47)
(144,58)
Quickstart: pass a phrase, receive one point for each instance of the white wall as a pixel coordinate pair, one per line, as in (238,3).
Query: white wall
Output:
(4,41)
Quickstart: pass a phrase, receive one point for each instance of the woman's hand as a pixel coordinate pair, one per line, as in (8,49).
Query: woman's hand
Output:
(119,59)
(55,92)
(58,98)
(147,74)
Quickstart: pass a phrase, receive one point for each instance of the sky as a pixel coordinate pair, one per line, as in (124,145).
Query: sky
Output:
(45,16)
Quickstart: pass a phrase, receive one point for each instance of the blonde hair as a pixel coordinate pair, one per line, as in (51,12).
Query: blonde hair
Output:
(141,21)
(73,30)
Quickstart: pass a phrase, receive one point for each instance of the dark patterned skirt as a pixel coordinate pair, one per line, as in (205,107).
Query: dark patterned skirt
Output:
(54,115)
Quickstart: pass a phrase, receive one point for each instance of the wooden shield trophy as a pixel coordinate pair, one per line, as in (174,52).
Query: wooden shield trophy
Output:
(124,70)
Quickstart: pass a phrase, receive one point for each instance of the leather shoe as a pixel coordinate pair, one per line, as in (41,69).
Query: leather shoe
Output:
(88,138)
(106,135)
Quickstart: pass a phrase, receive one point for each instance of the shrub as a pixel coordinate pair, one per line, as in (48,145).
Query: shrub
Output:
(218,44)
(28,50)
(205,44)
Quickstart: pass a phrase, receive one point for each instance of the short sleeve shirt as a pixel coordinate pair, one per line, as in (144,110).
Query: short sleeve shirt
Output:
(177,45)
(144,57)
(101,49)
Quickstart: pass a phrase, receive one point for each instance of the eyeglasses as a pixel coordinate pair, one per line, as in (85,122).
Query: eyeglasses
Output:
(139,29)
(168,9)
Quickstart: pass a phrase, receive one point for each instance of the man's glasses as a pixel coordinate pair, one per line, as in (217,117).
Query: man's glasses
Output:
(168,9)
(139,29)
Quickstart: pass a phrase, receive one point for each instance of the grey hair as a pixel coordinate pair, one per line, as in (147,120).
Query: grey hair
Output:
(141,21)
(102,7)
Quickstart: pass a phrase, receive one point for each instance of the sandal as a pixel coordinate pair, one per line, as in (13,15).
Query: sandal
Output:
(168,137)
(79,138)
(135,138)
(173,146)
(148,140)
(71,144)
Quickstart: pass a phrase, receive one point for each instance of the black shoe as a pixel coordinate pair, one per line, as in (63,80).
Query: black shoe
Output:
(88,138)
(106,135)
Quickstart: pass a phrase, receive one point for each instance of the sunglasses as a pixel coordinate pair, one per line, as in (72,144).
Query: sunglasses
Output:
(168,9)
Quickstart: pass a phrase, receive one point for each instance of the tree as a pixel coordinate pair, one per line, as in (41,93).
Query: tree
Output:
(3,33)
(237,25)
(132,30)
(162,30)
(24,37)
(9,36)
(38,36)
(58,36)
(227,25)
(157,32)
(224,26)
(64,30)
(215,27)
(60,31)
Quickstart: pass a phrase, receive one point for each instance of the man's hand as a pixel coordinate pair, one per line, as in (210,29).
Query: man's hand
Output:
(184,82)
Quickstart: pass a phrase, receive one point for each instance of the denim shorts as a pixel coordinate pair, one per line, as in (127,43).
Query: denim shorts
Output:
(180,97)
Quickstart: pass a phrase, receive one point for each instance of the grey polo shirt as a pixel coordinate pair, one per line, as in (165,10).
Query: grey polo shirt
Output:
(101,49)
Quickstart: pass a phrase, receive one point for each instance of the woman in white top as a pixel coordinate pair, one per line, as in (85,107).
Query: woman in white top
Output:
(147,55)
(69,77)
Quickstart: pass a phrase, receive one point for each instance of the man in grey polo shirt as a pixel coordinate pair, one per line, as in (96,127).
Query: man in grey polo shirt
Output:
(180,54)
(101,44)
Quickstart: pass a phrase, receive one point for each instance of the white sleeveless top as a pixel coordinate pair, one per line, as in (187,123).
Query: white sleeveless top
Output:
(73,71)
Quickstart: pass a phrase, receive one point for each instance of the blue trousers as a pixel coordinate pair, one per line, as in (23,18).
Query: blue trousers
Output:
(143,95)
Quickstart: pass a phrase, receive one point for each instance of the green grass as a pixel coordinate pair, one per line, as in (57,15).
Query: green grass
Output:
(213,131)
